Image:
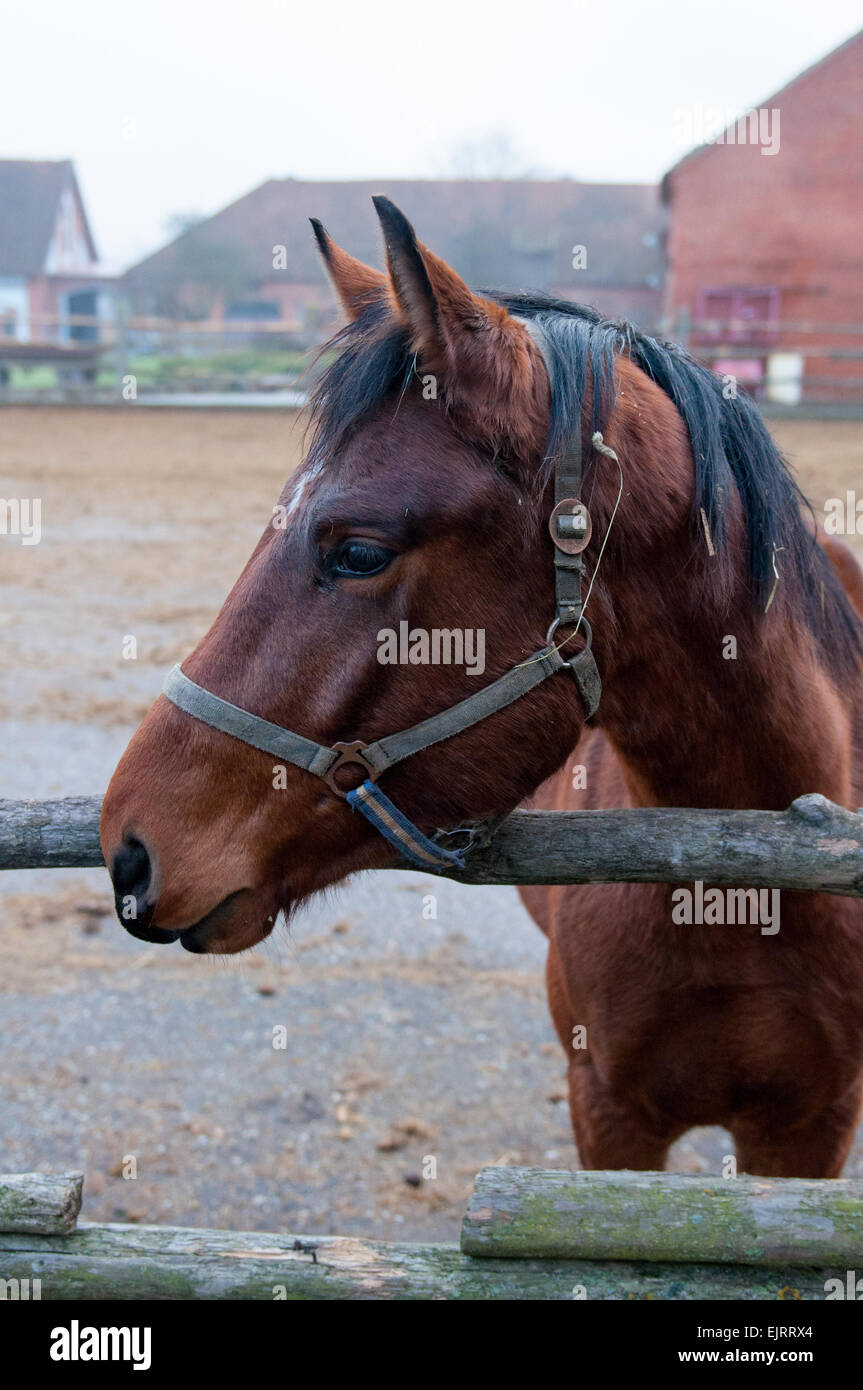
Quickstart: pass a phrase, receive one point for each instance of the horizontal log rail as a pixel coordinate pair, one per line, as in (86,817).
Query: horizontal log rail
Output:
(781,1222)
(814,846)
(145,1262)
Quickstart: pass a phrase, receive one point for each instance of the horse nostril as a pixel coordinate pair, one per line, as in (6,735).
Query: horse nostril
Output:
(131,870)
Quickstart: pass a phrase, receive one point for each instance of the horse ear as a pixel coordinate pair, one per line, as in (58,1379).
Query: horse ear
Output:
(357,285)
(486,360)
(410,266)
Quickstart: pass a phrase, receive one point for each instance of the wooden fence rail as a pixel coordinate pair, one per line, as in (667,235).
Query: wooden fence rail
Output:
(774,1222)
(740,1247)
(813,846)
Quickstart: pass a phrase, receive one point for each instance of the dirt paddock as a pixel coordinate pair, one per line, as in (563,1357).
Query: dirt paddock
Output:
(154,1071)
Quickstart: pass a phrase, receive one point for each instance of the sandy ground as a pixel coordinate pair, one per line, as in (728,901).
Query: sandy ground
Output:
(408,1039)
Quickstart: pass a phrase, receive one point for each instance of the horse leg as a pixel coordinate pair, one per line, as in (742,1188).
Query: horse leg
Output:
(817,1149)
(609,1131)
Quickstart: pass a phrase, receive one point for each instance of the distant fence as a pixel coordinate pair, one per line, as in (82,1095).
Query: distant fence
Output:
(84,358)
(785,364)
(794,365)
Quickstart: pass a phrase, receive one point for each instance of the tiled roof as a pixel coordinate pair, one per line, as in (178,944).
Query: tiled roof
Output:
(29,195)
(513,234)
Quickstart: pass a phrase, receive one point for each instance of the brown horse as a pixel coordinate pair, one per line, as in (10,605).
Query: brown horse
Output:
(730,658)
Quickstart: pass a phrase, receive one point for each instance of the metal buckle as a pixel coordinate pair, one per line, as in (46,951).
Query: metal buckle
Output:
(349,753)
(581,664)
(476,835)
(570,526)
(471,832)
(579,624)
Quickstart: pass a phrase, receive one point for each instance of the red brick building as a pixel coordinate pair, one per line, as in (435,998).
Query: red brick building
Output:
(765,239)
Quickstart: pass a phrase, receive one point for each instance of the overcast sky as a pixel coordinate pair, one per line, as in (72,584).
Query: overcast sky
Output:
(177,106)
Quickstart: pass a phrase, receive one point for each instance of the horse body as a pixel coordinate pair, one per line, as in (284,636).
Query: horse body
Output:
(696,1025)
(704,1024)
(426,497)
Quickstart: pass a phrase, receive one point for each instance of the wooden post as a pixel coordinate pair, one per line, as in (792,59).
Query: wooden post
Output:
(780,1222)
(39,1203)
(684,326)
(121,342)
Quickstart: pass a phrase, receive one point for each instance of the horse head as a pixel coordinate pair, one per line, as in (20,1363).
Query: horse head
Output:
(421,507)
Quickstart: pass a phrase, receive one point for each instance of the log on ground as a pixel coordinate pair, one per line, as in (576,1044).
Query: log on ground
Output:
(157,1262)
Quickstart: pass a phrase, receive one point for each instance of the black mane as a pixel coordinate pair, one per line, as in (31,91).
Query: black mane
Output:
(731,445)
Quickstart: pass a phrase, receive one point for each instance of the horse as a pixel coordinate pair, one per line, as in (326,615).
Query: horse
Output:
(725,633)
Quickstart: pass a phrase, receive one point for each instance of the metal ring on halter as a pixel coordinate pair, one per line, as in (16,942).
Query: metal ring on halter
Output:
(581,624)
(349,755)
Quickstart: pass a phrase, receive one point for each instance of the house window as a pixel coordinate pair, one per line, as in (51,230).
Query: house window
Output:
(82,306)
(737,315)
(253,310)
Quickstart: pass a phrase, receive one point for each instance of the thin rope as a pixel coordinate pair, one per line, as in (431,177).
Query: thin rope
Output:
(776,549)
(409,374)
(602,448)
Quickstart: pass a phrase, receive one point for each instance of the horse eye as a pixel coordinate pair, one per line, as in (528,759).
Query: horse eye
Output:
(360,558)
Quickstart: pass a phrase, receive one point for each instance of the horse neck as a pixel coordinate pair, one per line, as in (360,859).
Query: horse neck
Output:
(693,725)
(695,729)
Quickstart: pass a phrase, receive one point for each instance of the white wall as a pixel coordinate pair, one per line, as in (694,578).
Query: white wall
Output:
(68,250)
(14,298)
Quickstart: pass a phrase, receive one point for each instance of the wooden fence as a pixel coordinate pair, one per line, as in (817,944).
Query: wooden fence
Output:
(790,365)
(527,1234)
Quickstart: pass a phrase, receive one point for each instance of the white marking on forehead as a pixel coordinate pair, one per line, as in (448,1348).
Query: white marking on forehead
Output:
(301,485)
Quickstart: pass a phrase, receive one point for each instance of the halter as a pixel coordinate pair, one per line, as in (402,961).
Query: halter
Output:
(570,530)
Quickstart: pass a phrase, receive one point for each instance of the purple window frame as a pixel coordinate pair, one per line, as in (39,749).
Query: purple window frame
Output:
(734,328)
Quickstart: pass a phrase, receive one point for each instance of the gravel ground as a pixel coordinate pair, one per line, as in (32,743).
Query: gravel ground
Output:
(407,1040)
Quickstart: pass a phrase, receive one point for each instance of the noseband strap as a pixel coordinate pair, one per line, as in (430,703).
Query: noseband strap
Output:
(570,538)
(377,758)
